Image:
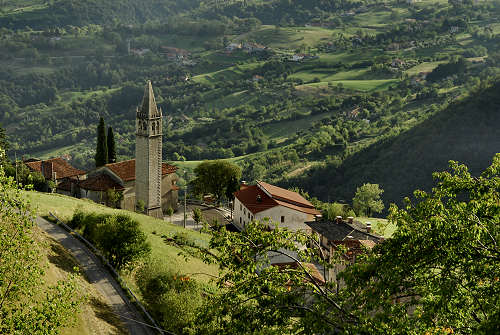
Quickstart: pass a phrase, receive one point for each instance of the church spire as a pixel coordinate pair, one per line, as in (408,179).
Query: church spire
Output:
(148,109)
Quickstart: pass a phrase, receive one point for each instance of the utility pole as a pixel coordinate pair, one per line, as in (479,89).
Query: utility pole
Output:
(185,195)
(15,158)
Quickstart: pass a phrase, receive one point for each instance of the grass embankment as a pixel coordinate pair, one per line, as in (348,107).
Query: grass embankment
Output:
(95,317)
(64,207)
(380,226)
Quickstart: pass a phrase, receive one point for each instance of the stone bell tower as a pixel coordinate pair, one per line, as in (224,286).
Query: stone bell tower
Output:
(148,154)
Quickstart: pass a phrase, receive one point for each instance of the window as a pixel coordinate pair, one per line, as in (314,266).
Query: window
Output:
(241,207)
(240,219)
(249,215)
(244,211)
(282,219)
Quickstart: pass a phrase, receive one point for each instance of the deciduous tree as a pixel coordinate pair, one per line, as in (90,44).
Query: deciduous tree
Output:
(367,199)
(215,177)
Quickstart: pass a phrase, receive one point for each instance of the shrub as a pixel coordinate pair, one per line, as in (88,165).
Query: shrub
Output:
(118,237)
(172,298)
(121,240)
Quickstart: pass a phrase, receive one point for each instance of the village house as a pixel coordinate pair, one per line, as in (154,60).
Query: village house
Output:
(352,235)
(298,57)
(58,170)
(254,47)
(233,46)
(265,201)
(139,52)
(175,54)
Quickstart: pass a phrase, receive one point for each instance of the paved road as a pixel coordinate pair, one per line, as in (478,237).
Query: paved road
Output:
(99,277)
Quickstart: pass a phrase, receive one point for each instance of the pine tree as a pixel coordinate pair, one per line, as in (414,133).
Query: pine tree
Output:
(101,154)
(111,146)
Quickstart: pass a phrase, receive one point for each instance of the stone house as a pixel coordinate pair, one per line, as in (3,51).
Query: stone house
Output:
(58,170)
(352,235)
(120,177)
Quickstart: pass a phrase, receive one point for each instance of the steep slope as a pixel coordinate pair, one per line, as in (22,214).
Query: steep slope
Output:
(467,131)
(83,12)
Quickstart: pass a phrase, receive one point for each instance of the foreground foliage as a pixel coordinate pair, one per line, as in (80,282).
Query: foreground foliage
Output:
(439,274)
(27,306)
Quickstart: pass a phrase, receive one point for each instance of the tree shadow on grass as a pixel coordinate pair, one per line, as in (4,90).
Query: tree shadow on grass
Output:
(105,313)
(62,259)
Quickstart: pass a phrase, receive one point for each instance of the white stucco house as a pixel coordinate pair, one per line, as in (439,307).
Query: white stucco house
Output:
(265,201)
(280,207)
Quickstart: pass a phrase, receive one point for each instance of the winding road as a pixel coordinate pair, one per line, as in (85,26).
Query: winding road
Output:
(100,278)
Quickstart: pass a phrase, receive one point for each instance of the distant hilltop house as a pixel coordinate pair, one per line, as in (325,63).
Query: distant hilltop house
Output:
(254,47)
(139,52)
(144,180)
(302,57)
(175,54)
(352,235)
(265,201)
(233,46)
(58,170)
(256,78)
(397,63)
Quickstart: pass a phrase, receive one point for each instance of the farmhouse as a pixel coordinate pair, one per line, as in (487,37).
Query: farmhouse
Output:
(58,170)
(265,201)
(351,235)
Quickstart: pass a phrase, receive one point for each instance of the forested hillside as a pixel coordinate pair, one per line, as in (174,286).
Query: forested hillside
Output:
(466,131)
(278,87)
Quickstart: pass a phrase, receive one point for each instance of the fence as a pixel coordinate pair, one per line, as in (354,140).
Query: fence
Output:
(112,269)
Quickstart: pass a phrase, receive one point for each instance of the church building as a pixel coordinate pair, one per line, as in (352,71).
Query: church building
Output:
(144,181)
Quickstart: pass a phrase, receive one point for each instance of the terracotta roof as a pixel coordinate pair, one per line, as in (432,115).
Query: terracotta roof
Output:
(100,182)
(257,200)
(58,165)
(126,169)
(248,196)
(279,193)
(313,270)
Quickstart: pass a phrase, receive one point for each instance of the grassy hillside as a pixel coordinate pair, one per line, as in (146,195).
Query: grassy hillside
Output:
(95,317)
(64,207)
(466,131)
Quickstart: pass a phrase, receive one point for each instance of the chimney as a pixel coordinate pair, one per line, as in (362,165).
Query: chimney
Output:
(338,219)
(368,227)
(350,219)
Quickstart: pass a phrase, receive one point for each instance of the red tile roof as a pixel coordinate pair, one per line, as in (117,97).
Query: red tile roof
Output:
(58,165)
(100,182)
(279,197)
(285,195)
(126,169)
(311,269)
(248,197)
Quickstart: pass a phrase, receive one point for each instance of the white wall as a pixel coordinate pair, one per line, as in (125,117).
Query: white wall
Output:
(241,215)
(294,220)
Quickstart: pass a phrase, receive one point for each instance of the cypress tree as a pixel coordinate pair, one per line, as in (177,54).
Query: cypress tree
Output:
(101,153)
(111,146)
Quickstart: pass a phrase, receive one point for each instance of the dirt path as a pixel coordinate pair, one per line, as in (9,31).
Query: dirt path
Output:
(99,277)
